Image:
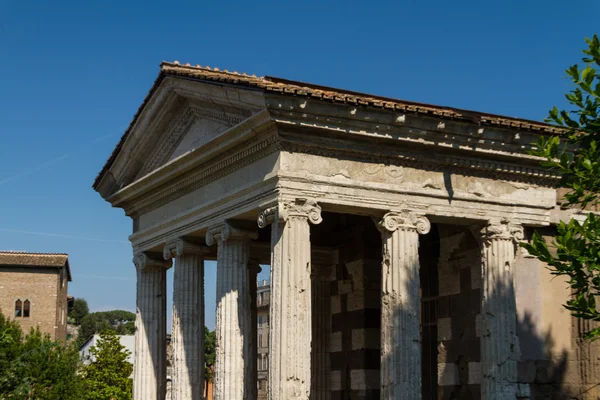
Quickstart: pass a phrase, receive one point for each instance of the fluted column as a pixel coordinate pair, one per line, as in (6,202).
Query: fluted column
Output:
(499,343)
(233,377)
(320,333)
(187,337)
(150,367)
(290,308)
(400,305)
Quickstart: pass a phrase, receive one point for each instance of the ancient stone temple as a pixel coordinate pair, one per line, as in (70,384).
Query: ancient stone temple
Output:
(391,230)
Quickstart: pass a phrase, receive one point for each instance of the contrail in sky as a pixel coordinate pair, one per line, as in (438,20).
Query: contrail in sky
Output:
(114,278)
(50,163)
(65,236)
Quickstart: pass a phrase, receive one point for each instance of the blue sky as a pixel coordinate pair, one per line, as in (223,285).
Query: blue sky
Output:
(72,75)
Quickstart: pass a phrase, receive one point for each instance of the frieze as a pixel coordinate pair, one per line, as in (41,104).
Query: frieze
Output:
(459,165)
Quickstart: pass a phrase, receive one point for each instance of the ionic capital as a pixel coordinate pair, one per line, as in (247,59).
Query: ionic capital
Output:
(227,231)
(297,208)
(405,220)
(146,260)
(502,230)
(180,247)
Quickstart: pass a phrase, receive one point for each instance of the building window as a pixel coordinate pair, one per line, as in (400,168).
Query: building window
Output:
(267,319)
(26,308)
(18,309)
(259,340)
(259,320)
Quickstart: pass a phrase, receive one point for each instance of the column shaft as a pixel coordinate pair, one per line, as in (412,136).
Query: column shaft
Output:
(400,306)
(499,343)
(188,328)
(150,338)
(290,340)
(233,380)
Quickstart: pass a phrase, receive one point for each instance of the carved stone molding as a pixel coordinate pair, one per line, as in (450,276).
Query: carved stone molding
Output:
(297,208)
(493,169)
(145,260)
(502,230)
(180,246)
(227,231)
(250,151)
(405,220)
(266,217)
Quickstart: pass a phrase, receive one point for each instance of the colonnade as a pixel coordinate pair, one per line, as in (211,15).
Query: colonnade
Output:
(292,336)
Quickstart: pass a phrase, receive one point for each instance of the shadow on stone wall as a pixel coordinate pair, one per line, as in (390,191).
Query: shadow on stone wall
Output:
(545,374)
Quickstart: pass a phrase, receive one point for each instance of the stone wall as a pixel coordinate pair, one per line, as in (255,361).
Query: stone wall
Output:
(459,304)
(556,362)
(356,317)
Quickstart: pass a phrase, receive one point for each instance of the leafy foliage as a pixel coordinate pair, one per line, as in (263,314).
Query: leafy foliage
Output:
(79,310)
(118,321)
(35,367)
(209,354)
(107,376)
(575,253)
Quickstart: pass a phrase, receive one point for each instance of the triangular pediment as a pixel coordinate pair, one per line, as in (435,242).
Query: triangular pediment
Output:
(192,127)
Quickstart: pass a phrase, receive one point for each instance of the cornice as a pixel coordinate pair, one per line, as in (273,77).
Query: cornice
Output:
(206,216)
(239,146)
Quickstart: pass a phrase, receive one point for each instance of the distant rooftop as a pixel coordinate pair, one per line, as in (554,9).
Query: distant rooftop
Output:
(26,259)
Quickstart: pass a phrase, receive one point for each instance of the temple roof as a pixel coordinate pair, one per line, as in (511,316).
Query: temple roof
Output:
(295,88)
(18,258)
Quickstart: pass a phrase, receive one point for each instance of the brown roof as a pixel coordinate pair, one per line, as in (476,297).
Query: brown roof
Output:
(295,88)
(52,260)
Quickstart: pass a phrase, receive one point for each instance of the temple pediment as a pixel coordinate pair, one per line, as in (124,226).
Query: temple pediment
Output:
(195,126)
(175,119)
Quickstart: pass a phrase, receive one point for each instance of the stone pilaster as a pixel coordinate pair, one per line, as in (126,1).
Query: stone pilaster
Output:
(321,328)
(290,309)
(150,366)
(233,374)
(499,343)
(400,305)
(187,377)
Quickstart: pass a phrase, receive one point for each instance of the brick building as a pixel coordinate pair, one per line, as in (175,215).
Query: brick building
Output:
(33,290)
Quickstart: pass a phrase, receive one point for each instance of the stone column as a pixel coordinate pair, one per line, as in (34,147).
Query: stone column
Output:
(150,367)
(233,377)
(187,339)
(320,333)
(290,309)
(499,343)
(400,305)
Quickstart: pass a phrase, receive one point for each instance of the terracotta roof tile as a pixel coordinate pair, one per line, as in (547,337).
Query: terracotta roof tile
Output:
(36,259)
(295,88)
(17,258)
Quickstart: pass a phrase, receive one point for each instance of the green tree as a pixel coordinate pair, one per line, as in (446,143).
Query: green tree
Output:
(35,367)
(107,376)
(575,252)
(209,357)
(118,321)
(79,310)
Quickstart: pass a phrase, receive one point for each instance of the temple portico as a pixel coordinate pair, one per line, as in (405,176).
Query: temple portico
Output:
(390,228)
